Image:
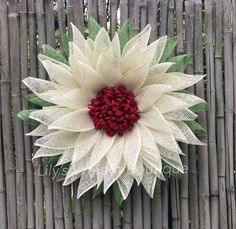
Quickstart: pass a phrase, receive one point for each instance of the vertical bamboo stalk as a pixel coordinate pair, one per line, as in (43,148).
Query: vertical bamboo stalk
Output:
(58,205)
(113,17)
(78,15)
(174,198)
(87,210)
(163,17)
(93,9)
(49,17)
(143,13)
(179,26)
(116,215)
(41,29)
(137,207)
(107,210)
(102,12)
(193,175)
(234,89)
(67,207)
(61,21)
(220,125)
(78,209)
(203,178)
(28,145)
(213,167)
(152,18)
(123,11)
(170,19)
(157,210)
(147,221)
(127,211)
(228,66)
(70,15)
(97,213)
(165,204)
(134,14)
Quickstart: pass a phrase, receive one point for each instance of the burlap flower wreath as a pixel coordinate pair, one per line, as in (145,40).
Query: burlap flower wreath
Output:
(113,112)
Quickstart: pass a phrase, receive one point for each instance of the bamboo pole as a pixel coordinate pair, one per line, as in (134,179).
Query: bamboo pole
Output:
(61,22)
(28,152)
(229,99)
(78,214)
(49,18)
(192,157)
(220,125)
(123,11)
(93,9)
(213,167)
(137,206)
(203,178)
(113,17)
(143,13)
(163,17)
(87,216)
(116,215)
(79,15)
(70,15)
(179,26)
(107,210)
(165,203)
(152,18)
(67,207)
(102,12)
(147,210)
(134,14)
(9,163)
(157,210)
(170,18)
(97,212)
(127,210)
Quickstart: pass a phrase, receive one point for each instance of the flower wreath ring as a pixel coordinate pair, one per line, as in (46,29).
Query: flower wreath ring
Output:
(113,112)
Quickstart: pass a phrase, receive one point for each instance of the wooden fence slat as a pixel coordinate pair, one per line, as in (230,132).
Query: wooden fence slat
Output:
(113,17)
(229,103)
(107,210)
(137,206)
(220,125)
(102,11)
(123,11)
(127,210)
(152,18)
(163,17)
(9,163)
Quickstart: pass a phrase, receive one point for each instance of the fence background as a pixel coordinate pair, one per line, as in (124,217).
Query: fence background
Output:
(204,198)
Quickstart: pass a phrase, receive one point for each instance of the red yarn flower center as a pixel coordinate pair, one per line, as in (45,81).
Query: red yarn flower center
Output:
(114,110)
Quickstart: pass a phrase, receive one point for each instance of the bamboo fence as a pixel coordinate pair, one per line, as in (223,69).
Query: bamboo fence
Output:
(205,196)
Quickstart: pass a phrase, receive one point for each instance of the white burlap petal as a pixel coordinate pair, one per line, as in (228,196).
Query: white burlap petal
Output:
(177,133)
(154,119)
(189,99)
(171,158)
(160,47)
(91,81)
(138,174)
(114,155)
(100,149)
(147,95)
(100,169)
(44,89)
(76,54)
(137,58)
(138,42)
(66,157)
(135,78)
(43,152)
(147,141)
(84,143)
(168,103)
(102,41)
(111,176)
(60,74)
(108,64)
(73,99)
(86,182)
(78,38)
(48,115)
(178,115)
(149,182)
(76,169)
(57,140)
(132,147)
(125,183)
(76,121)
(41,130)
(188,134)
(177,80)
(157,69)
(166,140)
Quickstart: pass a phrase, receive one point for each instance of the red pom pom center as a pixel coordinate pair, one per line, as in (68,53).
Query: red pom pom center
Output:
(114,110)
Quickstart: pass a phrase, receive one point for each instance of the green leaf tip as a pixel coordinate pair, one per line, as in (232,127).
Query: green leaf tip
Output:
(180,61)
(93,28)
(24,116)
